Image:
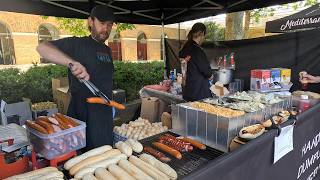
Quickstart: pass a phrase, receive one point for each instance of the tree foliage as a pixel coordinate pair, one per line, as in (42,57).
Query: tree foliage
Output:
(76,27)
(270,11)
(124,26)
(79,27)
(214,32)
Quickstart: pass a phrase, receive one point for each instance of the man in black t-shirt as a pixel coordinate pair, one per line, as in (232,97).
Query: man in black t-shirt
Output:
(91,59)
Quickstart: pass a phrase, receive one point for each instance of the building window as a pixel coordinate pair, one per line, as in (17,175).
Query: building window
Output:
(7,55)
(47,32)
(161,45)
(142,47)
(115,45)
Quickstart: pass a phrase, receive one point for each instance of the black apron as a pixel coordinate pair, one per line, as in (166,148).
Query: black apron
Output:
(98,119)
(97,59)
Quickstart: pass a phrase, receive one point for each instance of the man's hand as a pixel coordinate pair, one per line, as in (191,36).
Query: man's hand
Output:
(79,71)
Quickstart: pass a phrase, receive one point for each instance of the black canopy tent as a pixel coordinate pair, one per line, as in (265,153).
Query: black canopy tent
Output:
(156,12)
(303,20)
(253,161)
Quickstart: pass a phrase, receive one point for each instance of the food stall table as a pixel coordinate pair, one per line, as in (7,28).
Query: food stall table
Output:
(255,159)
(165,96)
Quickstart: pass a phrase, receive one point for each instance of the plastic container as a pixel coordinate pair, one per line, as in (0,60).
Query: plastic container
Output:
(57,144)
(44,112)
(296,101)
(304,103)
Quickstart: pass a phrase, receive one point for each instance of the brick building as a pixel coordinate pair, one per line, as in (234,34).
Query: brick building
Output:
(21,33)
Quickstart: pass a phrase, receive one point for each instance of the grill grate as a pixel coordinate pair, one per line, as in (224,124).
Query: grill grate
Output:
(191,161)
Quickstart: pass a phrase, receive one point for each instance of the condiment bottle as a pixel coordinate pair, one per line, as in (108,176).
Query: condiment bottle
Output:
(225,62)
(233,66)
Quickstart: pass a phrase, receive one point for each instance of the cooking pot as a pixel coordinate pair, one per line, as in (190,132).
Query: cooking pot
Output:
(225,76)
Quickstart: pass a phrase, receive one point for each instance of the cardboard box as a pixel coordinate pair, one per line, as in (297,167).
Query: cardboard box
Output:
(58,83)
(60,92)
(150,109)
(285,75)
(62,99)
(163,107)
(275,75)
(260,79)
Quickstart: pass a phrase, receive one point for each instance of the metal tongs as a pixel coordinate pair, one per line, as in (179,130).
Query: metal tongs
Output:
(93,88)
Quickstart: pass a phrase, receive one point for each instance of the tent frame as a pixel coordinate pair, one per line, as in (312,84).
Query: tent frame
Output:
(197,6)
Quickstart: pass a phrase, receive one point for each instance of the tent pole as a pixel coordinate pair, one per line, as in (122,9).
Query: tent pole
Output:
(179,35)
(165,76)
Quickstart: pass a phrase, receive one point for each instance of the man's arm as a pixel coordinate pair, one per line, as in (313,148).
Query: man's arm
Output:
(52,54)
(49,52)
(312,79)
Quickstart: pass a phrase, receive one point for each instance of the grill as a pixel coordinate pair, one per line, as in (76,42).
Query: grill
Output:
(191,161)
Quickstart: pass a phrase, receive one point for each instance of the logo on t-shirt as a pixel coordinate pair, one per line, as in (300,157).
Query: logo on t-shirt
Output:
(104,57)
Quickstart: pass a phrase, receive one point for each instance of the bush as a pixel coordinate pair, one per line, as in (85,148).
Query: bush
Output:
(11,85)
(131,77)
(36,82)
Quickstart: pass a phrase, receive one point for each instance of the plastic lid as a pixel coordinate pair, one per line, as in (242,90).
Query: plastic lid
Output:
(304,97)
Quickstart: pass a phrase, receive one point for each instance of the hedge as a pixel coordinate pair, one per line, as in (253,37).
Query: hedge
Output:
(131,77)
(36,82)
(11,85)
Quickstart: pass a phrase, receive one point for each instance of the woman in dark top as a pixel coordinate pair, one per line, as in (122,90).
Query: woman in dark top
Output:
(198,70)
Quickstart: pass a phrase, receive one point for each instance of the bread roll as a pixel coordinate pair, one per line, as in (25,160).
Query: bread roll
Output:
(103,174)
(148,169)
(135,145)
(124,148)
(89,176)
(119,173)
(68,165)
(165,168)
(101,164)
(93,159)
(133,170)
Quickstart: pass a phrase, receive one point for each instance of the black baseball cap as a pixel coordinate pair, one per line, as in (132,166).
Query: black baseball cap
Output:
(102,13)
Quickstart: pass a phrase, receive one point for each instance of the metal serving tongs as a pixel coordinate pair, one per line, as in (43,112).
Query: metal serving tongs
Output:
(101,97)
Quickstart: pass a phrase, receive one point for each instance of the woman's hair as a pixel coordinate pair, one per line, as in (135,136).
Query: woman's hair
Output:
(195,31)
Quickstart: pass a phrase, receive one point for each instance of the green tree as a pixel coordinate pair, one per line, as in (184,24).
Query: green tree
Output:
(270,11)
(76,27)
(124,26)
(234,21)
(79,27)
(214,32)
